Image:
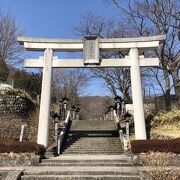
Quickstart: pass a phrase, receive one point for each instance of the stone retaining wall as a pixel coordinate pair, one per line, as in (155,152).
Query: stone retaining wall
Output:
(15,106)
(11,127)
(13,159)
(15,111)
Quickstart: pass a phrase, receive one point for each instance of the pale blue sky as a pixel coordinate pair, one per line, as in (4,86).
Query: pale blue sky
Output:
(55,19)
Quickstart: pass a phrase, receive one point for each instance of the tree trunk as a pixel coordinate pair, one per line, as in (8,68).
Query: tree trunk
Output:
(167,96)
(176,82)
(4,71)
(167,99)
(126,95)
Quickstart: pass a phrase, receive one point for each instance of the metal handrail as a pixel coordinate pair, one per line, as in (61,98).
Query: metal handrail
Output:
(63,132)
(122,138)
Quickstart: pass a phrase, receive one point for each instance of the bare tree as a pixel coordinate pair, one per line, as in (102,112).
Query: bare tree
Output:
(155,17)
(68,83)
(92,24)
(116,79)
(10,50)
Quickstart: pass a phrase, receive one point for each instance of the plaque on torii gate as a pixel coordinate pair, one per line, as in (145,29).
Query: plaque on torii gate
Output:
(91,50)
(91,47)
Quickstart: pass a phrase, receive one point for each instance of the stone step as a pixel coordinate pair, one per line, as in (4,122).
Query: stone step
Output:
(78,170)
(92,125)
(93,149)
(94,146)
(98,138)
(119,161)
(87,164)
(94,142)
(74,137)
(94,134)
(79,177)
(99,158)
(93,153)
(89,159)
(91,144)
(95,138)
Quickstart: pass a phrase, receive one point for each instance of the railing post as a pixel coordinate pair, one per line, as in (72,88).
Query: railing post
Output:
(56,127)
(127,131)
(22,133)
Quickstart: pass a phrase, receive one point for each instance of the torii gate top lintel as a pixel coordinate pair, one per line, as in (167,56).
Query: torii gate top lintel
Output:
(91,45)
(40,44)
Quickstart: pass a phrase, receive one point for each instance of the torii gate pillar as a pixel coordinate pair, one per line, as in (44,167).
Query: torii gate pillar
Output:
(139,120)
(43,127)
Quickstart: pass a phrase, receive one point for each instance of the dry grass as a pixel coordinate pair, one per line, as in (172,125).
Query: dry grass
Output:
(156,166)
(166,118)
(32,128)
(170,130)
(166,124)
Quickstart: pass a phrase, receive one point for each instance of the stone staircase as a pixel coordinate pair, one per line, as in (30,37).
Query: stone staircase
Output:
(91,151)
(92,137)
(82,167)
(93,145)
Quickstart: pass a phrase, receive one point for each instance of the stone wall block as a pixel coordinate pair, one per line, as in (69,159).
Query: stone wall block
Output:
(16,106)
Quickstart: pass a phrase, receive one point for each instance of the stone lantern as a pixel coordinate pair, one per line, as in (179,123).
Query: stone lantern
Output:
(126,120)
(110,109)
(73,112)
(118,102)
(77,113)
(56,119)
(65,103)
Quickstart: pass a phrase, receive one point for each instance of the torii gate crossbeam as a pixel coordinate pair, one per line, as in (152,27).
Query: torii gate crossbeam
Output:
(91,48)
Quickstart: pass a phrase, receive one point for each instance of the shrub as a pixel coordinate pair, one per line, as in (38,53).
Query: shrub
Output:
(8,145)
(165,118)
(141,146)
(15,92)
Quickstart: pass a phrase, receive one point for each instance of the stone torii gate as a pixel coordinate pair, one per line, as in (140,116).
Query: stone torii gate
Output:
(91,47)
